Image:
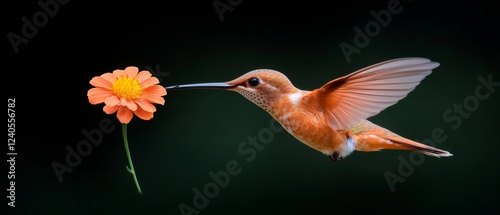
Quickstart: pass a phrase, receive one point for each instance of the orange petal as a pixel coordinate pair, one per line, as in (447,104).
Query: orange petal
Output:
(154,99)
(149,82)
(143,75)
(155,90)
(118,73)
(131,105)
(101,82)
(123,102)
(98,95)
(124,115)
(127,103)
(110,109)
(145,105)
(143,114)
(109,76)
(131,71)
(112,101)
(97,90)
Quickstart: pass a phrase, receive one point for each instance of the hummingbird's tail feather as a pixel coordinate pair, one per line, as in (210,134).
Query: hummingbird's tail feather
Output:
(425,149)
(372,142)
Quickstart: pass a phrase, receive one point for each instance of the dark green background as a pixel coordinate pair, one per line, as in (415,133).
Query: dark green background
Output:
(199,131)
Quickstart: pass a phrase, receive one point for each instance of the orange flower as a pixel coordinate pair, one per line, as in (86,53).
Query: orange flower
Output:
(127,91)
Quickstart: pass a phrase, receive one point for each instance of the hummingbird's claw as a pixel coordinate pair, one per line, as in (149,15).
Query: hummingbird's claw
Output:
(335,157)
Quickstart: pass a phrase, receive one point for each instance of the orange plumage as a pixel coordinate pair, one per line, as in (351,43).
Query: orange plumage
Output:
(332,118)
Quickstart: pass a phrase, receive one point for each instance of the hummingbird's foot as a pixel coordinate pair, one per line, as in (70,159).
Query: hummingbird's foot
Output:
(335,157)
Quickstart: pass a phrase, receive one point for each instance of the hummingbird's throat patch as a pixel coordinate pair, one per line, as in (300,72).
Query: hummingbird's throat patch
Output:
(255,97)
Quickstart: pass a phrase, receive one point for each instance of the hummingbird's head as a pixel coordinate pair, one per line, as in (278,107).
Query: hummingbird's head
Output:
(261,86)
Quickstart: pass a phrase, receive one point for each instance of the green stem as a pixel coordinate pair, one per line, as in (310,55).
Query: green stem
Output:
(131,168)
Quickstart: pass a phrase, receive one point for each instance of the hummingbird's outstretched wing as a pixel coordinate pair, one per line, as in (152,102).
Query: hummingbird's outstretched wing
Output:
(348,100)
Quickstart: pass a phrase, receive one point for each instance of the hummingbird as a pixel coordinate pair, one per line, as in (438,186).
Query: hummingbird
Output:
(332,119)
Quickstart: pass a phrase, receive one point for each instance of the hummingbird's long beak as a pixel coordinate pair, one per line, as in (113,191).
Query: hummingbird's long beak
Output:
(201,86)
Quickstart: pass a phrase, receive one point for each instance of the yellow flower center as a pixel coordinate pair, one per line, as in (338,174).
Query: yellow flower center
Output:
(128,88)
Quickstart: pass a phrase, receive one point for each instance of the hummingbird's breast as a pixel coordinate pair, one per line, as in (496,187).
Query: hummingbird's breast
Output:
(306,122)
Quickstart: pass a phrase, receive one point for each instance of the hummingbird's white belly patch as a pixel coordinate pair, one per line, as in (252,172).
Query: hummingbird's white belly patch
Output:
(350,146)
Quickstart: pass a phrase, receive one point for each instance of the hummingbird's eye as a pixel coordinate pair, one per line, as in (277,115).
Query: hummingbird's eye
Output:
(253,81)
